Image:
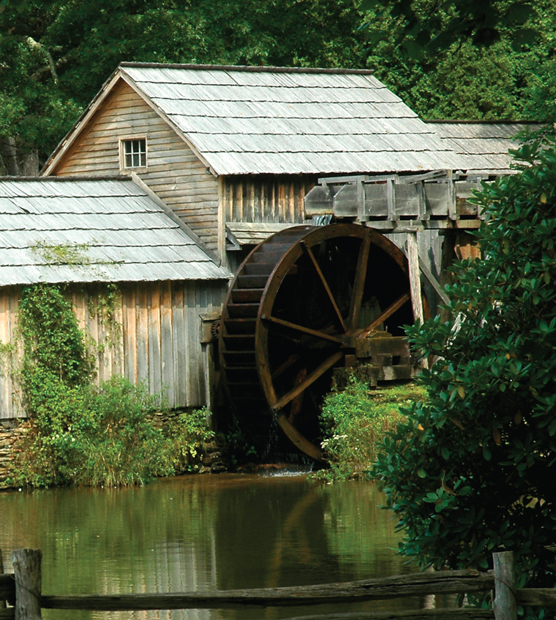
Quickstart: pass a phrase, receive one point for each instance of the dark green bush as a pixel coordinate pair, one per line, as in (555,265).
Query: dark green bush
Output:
(472,471)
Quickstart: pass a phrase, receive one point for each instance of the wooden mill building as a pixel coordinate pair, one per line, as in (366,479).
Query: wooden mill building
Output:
(234,150)
(175,171)
(87,233)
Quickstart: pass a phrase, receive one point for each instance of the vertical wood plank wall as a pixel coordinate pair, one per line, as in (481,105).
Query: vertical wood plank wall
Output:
(160,341)
(173,172)
(10,401)
(266,198)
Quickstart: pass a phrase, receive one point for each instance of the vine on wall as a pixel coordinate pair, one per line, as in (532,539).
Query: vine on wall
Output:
(80,433)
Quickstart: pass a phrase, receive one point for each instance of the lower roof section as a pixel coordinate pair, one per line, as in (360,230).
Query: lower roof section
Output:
(71,230)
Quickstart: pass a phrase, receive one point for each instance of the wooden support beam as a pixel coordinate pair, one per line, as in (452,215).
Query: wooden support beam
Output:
(361,208)
(415,277)
(27,570)
(447,613)
(391,198)
(433,282)
(505,606)
(452,199)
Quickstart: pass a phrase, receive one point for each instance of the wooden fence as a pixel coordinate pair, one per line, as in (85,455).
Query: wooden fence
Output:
(22,592)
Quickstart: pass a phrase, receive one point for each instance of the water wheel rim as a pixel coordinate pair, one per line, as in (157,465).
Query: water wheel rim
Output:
(302,241)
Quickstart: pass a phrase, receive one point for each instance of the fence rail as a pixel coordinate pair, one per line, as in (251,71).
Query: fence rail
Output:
(22,591)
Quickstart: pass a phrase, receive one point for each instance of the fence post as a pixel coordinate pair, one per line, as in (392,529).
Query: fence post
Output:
(27,571)
(505,607)
(2,603)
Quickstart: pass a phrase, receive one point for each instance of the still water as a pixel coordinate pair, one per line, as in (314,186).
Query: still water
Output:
(196,533)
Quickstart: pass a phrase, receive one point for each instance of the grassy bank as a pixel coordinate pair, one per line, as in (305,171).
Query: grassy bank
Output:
(354,422)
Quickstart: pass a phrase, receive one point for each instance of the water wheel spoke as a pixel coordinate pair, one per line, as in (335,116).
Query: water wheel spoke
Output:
(310,379)
(297,438)
(359,282)
(302,328)
(326,287)
(297,402)
(383,316)
(290,361)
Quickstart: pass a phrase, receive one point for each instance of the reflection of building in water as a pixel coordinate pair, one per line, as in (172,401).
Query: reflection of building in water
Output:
(203,533)
(176,566)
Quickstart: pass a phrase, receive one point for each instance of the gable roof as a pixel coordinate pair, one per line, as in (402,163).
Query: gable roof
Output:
(274,120)
(92,230)
(482,145)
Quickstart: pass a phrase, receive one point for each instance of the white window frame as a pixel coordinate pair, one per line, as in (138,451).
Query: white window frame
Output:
(123,155)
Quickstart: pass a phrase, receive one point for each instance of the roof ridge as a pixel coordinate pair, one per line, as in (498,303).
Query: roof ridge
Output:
(80,178)
(252,68)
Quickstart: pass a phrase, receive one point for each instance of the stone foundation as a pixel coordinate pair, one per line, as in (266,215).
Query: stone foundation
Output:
(10,431)
(213,459)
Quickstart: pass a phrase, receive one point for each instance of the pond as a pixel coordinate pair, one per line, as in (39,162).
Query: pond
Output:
(196,533)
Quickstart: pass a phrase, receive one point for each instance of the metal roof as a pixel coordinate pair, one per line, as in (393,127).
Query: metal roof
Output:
(255,120)
(483,146)
(92,230)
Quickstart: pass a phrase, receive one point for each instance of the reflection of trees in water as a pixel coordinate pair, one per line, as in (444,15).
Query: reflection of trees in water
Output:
(271,534)
(313,533)
(156,538)
(361,532)
(199,533)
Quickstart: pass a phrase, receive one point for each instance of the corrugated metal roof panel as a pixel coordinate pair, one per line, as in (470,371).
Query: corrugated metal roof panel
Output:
(279,121)
(107,230)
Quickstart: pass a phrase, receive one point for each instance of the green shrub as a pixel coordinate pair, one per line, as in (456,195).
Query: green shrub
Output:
(106,436)
(472,470)
(117,442)
(185,439)
(79,433)
(354,422)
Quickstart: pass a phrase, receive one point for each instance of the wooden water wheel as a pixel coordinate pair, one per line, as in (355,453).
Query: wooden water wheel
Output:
(297,307)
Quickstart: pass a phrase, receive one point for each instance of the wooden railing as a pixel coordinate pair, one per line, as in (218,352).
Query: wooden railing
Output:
(22,591)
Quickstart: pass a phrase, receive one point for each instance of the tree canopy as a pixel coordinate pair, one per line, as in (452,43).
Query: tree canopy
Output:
(55,54)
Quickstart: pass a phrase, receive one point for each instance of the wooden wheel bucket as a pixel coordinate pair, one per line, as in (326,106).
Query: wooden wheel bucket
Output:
(297,306)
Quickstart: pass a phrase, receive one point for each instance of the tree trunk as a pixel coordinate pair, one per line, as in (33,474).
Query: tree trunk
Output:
(17,160)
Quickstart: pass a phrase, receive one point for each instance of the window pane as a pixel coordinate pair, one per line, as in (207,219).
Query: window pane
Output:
(135,153)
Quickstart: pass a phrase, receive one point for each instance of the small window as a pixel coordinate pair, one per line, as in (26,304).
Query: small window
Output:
(135,153)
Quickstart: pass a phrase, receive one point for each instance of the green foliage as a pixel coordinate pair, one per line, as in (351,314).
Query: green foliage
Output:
(239,446)
(472,470)
(53,342)
(185,438)
(422,25)
(72,254)
(83,434)
(354,422)
(56,55)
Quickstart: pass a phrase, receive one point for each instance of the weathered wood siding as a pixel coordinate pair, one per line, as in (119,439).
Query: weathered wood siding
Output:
(173,172)
(265,198)
(10,400)
(158,340)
